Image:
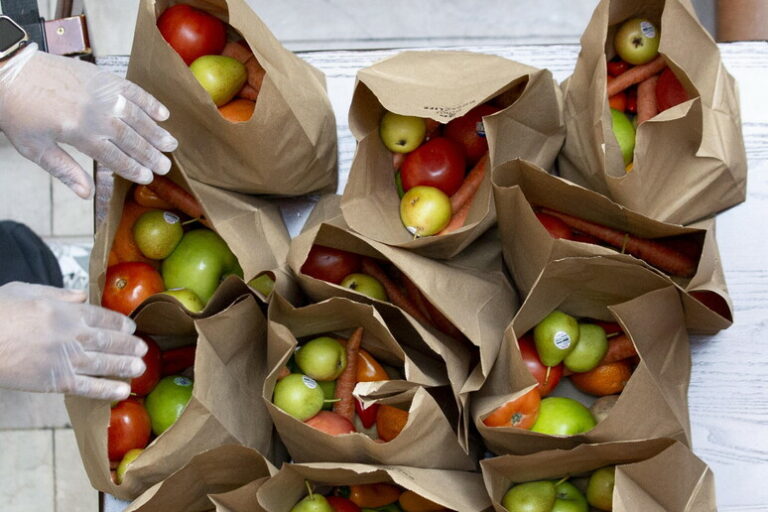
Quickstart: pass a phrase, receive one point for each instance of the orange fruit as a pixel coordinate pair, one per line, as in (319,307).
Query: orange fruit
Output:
(238,111)
(606,379)
(390,421)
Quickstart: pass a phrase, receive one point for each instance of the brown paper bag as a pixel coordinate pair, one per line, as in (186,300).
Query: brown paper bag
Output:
(654,402)
(252,228)
(455,490)
(690,160)
(225,408)
(209,479)
(657,475)
(444,85)
(428,428)
(288,147)
(518,186)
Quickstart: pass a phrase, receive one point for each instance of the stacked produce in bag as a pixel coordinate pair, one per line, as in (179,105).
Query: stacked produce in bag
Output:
(368,364)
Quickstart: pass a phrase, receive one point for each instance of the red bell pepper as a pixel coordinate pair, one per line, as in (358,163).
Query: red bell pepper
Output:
(367,415)
(178,359)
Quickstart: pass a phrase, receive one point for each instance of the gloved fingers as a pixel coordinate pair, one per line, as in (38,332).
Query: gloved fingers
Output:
(135,146)
(62,166)
(147,128)
(107,365)
(112,157)
(145,101)
(112,342)
(100,389)
(103,318)
(39,291)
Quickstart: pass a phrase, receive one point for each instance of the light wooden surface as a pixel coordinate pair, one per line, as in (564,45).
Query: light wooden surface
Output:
(729,386)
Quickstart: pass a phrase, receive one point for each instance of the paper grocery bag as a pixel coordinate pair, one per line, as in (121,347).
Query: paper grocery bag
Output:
(689,160)
(655,475)
(225,408)
(428,428)
(653,403)
(519,186)
(455,490)
(288,146)
(444,85)
(252,228)
(228,470)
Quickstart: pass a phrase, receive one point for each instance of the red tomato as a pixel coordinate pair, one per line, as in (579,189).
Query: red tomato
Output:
(129,428)
(128,284)
(192,32)
(141,386)
(539,371)
(328,264)
(339,504)
(669,91)
(632,100)
(469,132)
(520,412)
(556,227)
(617,67)
(437,163)
(618,101)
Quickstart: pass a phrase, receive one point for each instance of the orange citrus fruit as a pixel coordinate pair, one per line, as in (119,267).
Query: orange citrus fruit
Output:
(606,379)
(238,111)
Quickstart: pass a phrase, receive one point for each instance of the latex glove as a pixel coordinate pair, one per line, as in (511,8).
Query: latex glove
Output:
(51,342)
(46,100)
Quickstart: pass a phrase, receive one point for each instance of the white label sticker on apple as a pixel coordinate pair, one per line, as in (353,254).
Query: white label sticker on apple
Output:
(648,30)
(562,340)
(480,129)
(309,382)
(182,381)
(170,218)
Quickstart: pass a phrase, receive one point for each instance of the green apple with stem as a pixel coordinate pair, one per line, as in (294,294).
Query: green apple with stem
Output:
(157,233)
(402,134)
(365,284)
(187,297)
(199,262)
(637,41)
(555,337)
(264,283)
(222,77)
(589,350)
(560,416)
(625,134)
(569,498)
(425,211)
(329,392)
(600,488)
(537,496)
(322,358)
(298,395)
(129,457)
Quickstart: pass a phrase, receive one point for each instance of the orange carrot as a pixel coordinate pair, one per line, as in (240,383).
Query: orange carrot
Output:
(635,75)
(396,297)
(237,51)
(176,196)
(248,93)
(415,295)
(283,372)
(457,219)
(471,183)
(345,384)
(650,251)
(620,347)
(439,320)
(647,106)
(397,160)
(144,196)
(255,74)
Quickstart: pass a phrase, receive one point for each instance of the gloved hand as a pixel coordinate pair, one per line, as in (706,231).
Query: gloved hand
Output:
(46,100)
(51,342)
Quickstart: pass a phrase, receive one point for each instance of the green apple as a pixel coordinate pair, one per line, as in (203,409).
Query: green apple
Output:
(637,41)
(264,284)
(590,349)
(221,77)
(187,297)
(329,393)
(299,396)
(167,401)
(200,261)
(402,134)
(313,503)
(555,337)
(624,131)
(322,358)
(425,211)
(560,416)
(157,233)
(129,457)
(365,284)
(538,496)
(569,499)
(600,488)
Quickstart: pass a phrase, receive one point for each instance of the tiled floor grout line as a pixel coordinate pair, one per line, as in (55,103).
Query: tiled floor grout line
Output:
(55,487)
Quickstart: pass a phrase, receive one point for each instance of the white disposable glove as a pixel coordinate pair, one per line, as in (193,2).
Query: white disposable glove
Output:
(46,100)
(51,342)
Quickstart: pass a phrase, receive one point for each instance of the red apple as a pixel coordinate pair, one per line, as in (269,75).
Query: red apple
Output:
(437,163)
(556,227)
(469,132)
(548,379)
(331,423)
(669,91)
(329,264)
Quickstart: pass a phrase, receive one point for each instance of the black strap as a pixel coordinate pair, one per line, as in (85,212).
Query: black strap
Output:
(26,14)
